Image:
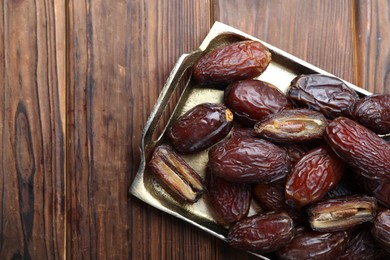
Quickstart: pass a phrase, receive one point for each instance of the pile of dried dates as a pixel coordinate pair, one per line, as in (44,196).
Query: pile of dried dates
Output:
(314,160)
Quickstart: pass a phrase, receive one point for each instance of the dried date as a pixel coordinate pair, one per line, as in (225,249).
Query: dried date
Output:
(229,201)
(362,246)
(176,175)
(360,147)
(292,126)
(236,61)
(341,213)
(308,244)
(201,127)
(381,229)
(326,94)
(270,196)
(253,100)
(247,159)
(373,112)
(313,176)
(262,233)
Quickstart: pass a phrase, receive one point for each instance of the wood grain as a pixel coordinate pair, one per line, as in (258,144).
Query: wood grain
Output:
(372,38)
(319,32)
(32,187)
(119,58)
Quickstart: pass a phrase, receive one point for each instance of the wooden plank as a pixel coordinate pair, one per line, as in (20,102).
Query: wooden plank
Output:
(319,32)
(119,58)
(32,187)
(372,28)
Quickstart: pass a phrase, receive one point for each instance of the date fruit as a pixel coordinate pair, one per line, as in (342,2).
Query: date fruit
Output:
(248,159)
(201,127)
(381,229)
(359,147)
(292,126)
(270,196)
(341,213)
(253,100)
(373,112)
(326,94)
(176,175)
(313,176)
(233,62)
(229,201)
(361,246)
(308,244)
(262,233)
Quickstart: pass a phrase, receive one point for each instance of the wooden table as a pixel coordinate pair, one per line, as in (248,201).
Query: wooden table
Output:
(78,81)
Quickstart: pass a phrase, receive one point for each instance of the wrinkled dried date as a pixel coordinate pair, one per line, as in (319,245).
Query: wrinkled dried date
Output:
(326,94)
(253,100)
(360,147)
(308,244)
(262,233)
(176,175)
(236,61)
(361,246)
(381,229)
(270,196)
(229,201)
(201,127)
(313,176)
(292,126)
(373,112)
(341,213)
(247,159)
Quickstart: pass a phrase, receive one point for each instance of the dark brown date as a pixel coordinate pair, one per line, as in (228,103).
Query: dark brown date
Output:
(308,244)
(270,196)
(262,233)
(341,213)
(253,100)
(373,112)
(381,229)
(326,94)
(176,175)
(360,147)
(362,246)
(229,201)
(313,176)
(236,61)
(294,151)
(379,189)
(201,127)
(292,126)
(247,159)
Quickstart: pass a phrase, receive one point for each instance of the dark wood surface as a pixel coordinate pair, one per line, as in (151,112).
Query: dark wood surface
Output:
(78,81)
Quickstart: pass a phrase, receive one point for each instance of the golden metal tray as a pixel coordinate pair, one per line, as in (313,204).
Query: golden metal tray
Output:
(282,69)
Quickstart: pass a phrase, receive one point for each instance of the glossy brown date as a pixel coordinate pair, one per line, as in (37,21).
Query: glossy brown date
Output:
(341,213)
(381,229)
(313,176)
(236,61)
(262,233)
(362,246)
(270,196)
(201,127)
(292,126)
(308,244)
(176,175)
(373,112)
(360,147)
(248,159)
(326,94)
(253,100)
(229,201)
